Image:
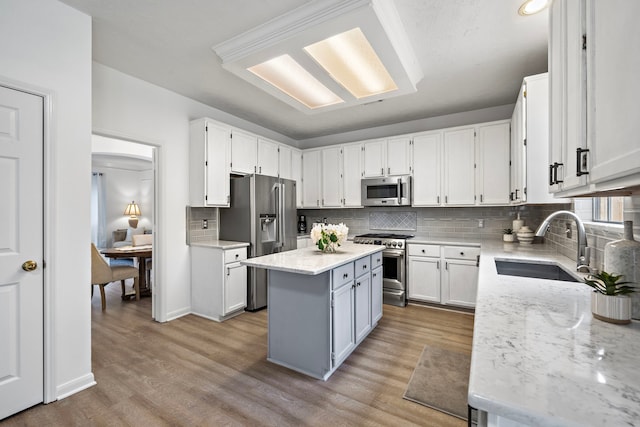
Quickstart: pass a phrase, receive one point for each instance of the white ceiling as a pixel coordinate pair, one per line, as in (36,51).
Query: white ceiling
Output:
(474,54)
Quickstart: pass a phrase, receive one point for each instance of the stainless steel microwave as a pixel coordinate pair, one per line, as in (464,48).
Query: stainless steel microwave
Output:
(389,191)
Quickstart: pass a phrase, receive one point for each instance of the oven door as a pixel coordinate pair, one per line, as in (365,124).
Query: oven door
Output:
(393,269)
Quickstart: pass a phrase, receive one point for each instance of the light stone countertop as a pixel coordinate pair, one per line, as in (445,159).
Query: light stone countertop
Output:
(220,244)
(539,357)
(310,260)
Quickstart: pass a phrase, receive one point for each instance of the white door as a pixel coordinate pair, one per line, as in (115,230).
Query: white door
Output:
(343,323)
(493,164)
(218,188)
(267,158)
(362,306)
(235,287)
(376,295)
(374,158)
(352,175)
(424,279)
(399,156)
(21,240)
(244,152)
(311,179)
(460,283)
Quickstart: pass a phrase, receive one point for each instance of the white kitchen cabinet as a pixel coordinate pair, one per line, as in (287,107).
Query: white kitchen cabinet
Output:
(296,174)
(594,91)
(268,158)
(493,163)
(218,282)
(460,275)
(427,169)
(459,167)
(209,156)
(445,275)
(376,293)
(530,143)
(398,156)
(424,273)
(518,150)
(244,152)
(387,157)
(311,173)
(613,87)
(331,176)
(374,161)
(352,175)
(285,169)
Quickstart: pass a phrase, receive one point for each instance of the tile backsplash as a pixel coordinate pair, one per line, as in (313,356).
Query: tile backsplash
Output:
(194,218)
(435,222)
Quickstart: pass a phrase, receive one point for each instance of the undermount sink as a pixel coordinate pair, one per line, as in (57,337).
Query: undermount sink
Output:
(536,270)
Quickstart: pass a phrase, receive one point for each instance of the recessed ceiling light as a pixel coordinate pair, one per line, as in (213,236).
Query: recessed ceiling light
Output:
(351,61)
(530,7)
(286,74)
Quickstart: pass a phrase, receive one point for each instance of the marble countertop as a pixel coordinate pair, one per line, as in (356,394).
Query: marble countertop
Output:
(310,260)
(220,244)
(540,358)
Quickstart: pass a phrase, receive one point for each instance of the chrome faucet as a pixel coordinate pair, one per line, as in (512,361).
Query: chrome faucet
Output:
(582,258)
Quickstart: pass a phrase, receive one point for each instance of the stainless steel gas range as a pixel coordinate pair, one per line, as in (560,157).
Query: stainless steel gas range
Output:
(394,285)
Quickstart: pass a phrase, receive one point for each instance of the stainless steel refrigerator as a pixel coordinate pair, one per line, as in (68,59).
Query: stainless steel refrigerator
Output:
(263,213)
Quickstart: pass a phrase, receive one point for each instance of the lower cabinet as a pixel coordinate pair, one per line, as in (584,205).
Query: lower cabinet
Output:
(218,282)
(343,322)
(443,275)
(376,292)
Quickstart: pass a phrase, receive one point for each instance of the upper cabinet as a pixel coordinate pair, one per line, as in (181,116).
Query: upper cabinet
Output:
(244,152)
(352,175)
(311,174)
(209,154)
(296,173)
(387,157)
(427,169)
(594,91)
(492,164)
(459,166)
(268,157)
(331,177)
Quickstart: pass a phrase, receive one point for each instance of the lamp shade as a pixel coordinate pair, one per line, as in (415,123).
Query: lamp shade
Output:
(132,209)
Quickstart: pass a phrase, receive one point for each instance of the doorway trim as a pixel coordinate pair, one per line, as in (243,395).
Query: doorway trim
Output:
(158,311)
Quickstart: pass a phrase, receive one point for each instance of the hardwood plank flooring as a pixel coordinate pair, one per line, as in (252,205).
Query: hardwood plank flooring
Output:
(194,371)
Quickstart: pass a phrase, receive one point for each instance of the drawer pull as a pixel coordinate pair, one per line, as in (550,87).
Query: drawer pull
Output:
(345,275)
(462,253)
(237,255)
(423,251)
(364,267)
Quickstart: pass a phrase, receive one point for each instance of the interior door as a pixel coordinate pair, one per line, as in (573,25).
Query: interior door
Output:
(21,249)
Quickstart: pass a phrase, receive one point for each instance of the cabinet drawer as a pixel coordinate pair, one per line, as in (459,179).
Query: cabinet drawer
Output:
(376,260)
(342,275)
(363,265)
(424,250)
(461,252)
(233,255)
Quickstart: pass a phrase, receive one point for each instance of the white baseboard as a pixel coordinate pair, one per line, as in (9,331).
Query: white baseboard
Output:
(178,313)
(74,386)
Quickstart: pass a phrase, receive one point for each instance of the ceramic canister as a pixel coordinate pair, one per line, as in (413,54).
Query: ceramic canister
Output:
(622,257)
(517,224)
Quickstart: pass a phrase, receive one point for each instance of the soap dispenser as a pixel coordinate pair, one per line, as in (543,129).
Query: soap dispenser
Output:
(517,224)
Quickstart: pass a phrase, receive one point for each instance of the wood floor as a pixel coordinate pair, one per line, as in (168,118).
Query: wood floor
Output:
(194,371)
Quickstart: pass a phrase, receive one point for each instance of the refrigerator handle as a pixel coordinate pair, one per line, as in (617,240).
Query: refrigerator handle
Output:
(277,190)
(281,218)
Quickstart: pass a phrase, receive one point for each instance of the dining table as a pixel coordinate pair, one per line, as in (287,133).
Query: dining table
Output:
(142,253)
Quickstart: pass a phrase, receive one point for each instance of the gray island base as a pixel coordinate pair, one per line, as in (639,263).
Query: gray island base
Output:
(321,306)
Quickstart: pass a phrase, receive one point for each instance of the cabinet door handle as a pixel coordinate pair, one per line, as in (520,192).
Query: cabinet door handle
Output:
(446,265)
(581,161)
(551,175)
(517,194)
(364,267)
(358,284)
(477,260)
(446,199)
(374,274)
(381,171)
(438,200)
(437,265)
(389,171)
(345,275)
(555,173)
(260,169)
(481,198)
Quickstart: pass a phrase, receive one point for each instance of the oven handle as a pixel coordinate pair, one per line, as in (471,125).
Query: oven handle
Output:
(399,191)
(391,253)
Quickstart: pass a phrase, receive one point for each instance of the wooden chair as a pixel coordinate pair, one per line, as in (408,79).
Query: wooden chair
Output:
(102,274)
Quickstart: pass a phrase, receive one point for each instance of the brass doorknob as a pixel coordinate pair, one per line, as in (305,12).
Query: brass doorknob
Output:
(29,265)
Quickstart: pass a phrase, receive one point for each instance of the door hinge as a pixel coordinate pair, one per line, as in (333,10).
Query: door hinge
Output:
(333,302)
(524,190)
(474,133)
(206,163)
(524,94)
(525,142)
(278,149)
(474,166)
(206,198)
(584,42)
(206,128)
(333,356)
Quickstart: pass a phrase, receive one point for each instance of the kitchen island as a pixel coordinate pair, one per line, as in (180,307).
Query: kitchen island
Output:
(321,306)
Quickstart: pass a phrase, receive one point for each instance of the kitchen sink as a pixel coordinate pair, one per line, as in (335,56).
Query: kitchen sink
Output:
(533,269)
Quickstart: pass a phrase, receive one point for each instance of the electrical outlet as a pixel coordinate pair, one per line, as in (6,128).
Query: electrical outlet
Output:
(205,224)
(481,223)
(568,230)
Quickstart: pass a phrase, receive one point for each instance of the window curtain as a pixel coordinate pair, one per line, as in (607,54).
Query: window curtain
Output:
(98,211)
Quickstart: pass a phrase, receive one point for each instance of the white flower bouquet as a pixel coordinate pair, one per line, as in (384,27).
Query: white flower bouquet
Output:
(329,236)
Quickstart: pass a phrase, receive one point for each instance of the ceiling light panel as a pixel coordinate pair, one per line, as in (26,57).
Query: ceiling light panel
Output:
(351,61)
(286,74)
(310,30)
(530,7)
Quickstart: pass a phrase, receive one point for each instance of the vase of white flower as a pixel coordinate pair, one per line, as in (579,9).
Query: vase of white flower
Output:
(327,237)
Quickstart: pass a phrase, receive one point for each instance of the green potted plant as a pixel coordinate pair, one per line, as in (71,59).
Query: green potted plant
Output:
(610,301)
(508,235)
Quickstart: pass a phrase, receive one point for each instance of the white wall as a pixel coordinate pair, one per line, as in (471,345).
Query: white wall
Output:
(47,44)
(130,108)
(121,187)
